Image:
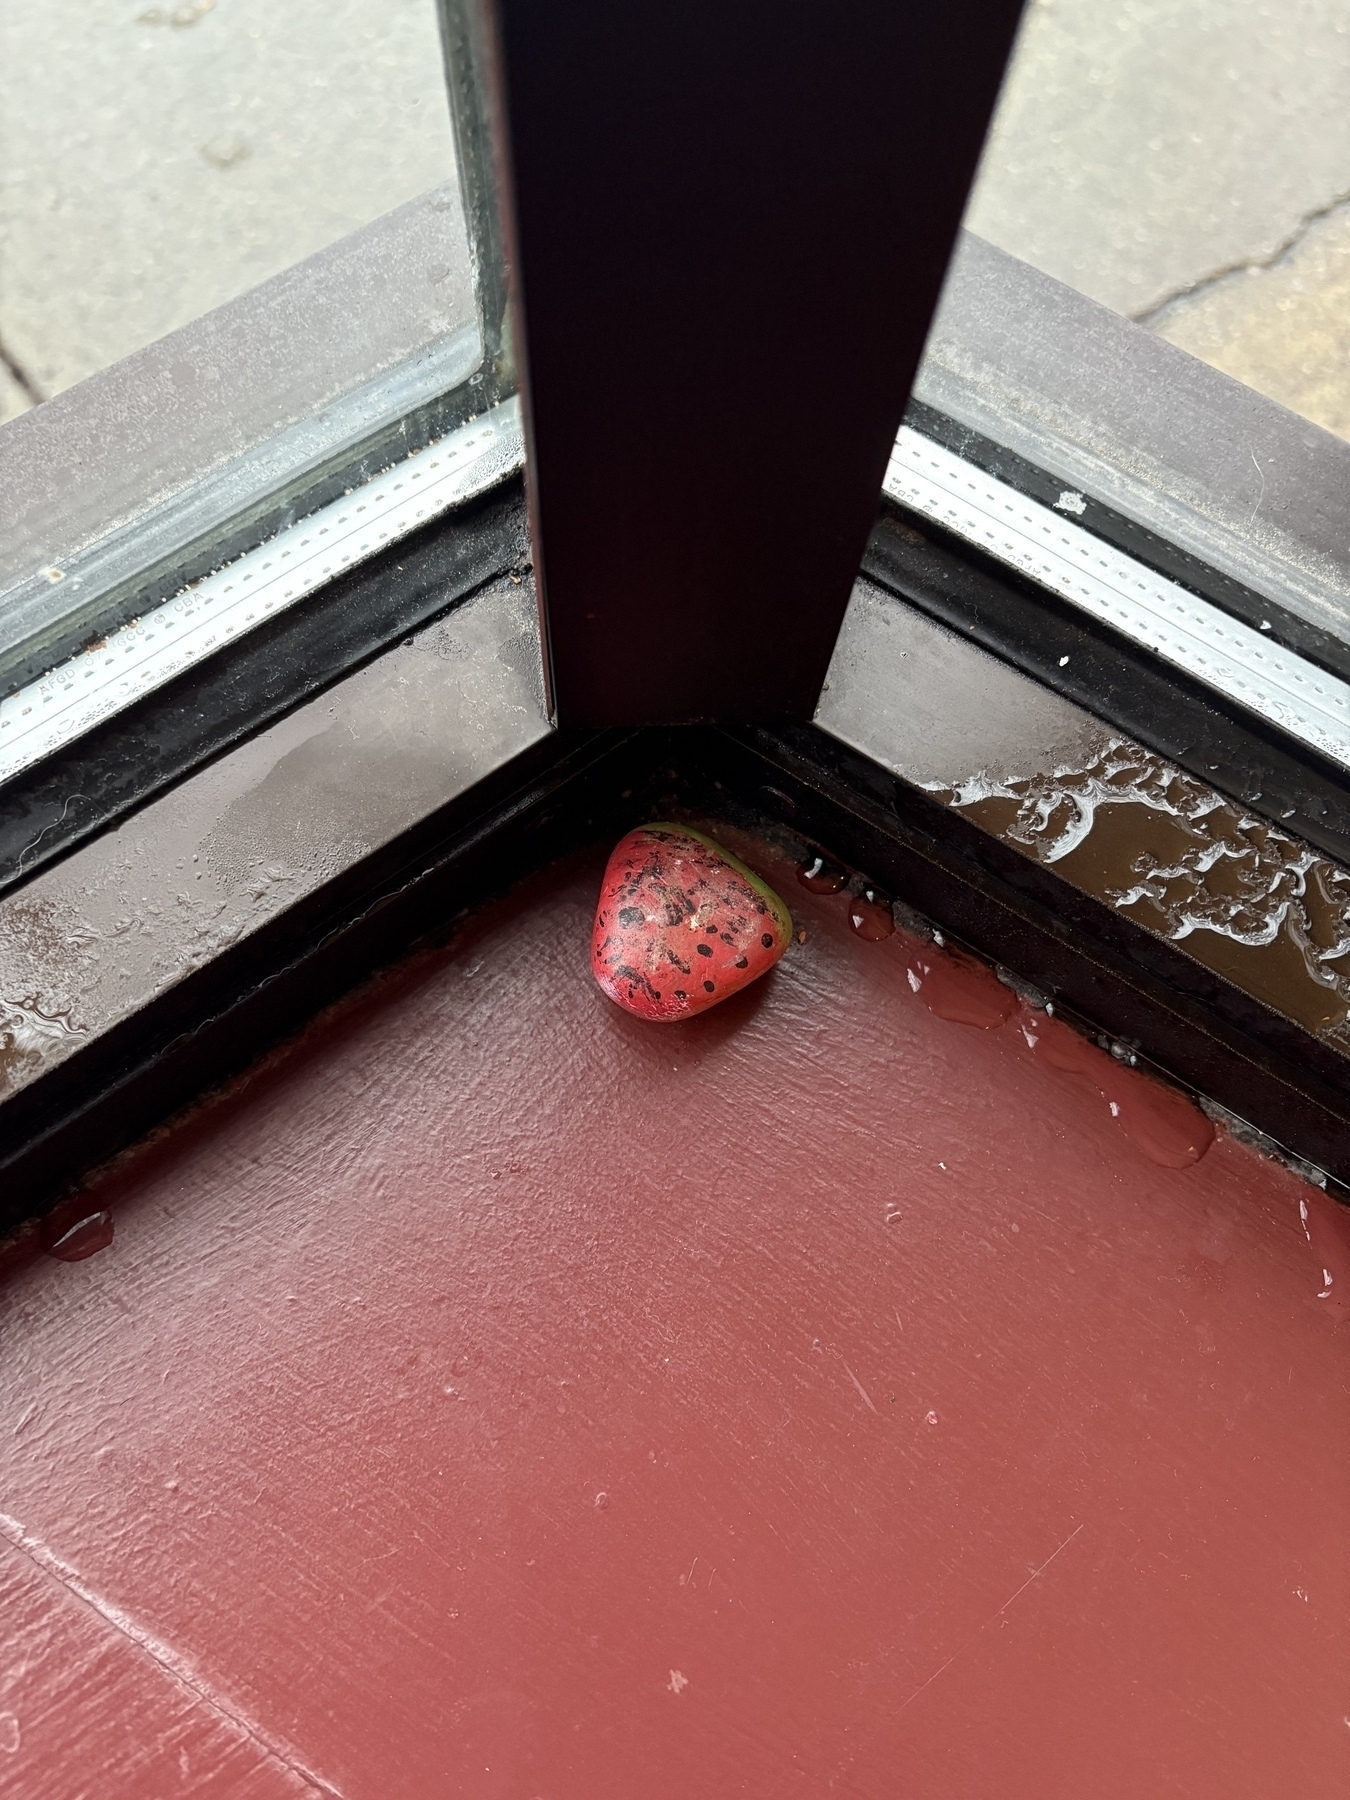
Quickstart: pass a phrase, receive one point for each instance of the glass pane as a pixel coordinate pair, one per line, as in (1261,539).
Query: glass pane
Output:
(238,277)
(157,160)
(1187,162)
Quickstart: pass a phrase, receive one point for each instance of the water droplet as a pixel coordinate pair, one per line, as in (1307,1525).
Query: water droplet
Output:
(89,1235)
(601,1502)
(1169,1129)
(894,1215)
(957,988)
(869,913)
(1326,1225)
(821,876)
(9,1733)
(930,1418)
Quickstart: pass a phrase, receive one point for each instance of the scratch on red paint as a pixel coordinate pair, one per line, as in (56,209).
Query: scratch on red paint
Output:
(1034,1575)
(861,1389)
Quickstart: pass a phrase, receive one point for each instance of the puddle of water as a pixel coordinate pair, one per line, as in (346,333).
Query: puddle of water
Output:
(28,1036)
(958,988)
(870,915)
(1247,900)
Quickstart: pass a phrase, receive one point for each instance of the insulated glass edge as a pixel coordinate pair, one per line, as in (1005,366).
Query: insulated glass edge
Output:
(156,471)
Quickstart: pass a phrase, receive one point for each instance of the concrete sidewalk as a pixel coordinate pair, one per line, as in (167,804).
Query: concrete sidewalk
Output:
(158,159)
(1184,161)
(1188,163)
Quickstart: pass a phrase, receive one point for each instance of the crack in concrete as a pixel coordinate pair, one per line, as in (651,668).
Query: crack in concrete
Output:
(20,376)
(1154,315)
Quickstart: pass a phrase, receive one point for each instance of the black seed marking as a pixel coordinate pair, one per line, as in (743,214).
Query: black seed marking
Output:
(711,930)
(635,979)
(767,941)
(703,949)
(727,938)
(680,994)
(742,962)
(630,915)
(709,986)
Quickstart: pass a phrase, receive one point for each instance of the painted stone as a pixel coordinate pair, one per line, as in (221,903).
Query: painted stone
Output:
(682,924)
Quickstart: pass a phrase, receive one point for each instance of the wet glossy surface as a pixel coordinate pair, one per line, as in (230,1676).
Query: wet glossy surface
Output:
(1166,1125)
(1241,896)
(502,1397)
(818,874)
(1244,898)
(121,920)
(869,915)
(88,1235)
(958,988)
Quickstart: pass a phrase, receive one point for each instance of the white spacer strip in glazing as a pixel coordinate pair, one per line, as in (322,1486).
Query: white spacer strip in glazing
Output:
(1207,643)
(139,657)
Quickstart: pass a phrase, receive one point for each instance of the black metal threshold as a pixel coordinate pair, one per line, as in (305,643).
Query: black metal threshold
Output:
(566,792)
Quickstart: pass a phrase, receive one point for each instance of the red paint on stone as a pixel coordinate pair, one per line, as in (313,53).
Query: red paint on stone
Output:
(959,989)
(682,924)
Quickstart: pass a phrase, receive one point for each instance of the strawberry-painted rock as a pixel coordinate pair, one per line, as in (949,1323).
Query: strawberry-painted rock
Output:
(682,924)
